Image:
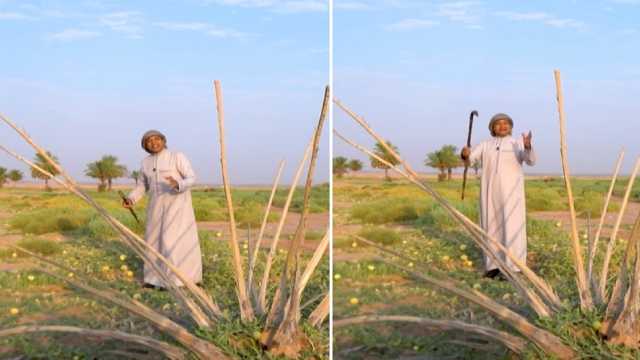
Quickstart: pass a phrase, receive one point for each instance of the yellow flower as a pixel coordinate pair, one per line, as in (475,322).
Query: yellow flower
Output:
(123,257)
(464,258)
(64,252)
(559,223)
(469,263)
(506,296)
(70,275)
(410,264)
(245,246)
(353,301)
(337,276)
(354,244)
(124,268)
(166,307)
(130,273)
(371,267)
(463,247)
(404,242)
(218,234)
(14,311)
(477,286)
(137,296)
(105,268)
(31,277)
(15,255)
(446,258)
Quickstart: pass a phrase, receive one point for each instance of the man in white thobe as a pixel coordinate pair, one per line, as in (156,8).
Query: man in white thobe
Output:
(171,225)
(502,197)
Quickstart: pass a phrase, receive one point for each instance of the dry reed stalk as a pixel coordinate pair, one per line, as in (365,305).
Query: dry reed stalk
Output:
(513,343)
(586,301)
(170,351)
(321,311)
(612,239)
(246,310)
(536,303)
(256,247)
(141,249)
(603,215)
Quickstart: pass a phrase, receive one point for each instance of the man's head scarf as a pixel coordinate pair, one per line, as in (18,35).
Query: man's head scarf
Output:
(149,134)
(495,118)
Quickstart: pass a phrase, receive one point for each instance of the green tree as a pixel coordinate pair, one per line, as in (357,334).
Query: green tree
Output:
(444,160)
(15,175)
(476,165)
(105,170)
(44,165)
(340,166)
(381,152)
(135,175)
(3,176)
(355,165)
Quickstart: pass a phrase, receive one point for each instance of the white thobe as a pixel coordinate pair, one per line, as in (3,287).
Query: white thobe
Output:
(502,199)
(171,223)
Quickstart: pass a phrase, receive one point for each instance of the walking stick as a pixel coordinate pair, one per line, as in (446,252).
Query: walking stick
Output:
(133,212)
(466,164)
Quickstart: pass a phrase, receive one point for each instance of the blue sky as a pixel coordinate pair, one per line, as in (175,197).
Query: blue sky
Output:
(415,69)
(87,78)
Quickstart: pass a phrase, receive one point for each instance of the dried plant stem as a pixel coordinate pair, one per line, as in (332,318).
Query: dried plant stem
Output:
(256,247)
(513,343)
(170,351)
(246,311)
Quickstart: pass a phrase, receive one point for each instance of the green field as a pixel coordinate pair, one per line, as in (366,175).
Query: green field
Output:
(62,227)
(402,217)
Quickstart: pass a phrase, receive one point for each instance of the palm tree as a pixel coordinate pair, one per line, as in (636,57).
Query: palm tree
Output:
(135,175)
(355,165)
(15,175)
(3,176)
(444,160)
(105,170)
(381,152)
(340,166)
(43,164)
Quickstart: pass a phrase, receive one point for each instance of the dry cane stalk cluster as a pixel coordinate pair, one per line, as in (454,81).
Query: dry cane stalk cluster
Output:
(281,333)
(621,324)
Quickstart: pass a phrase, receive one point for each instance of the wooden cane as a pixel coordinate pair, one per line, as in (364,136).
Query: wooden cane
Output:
(466,164)
(133,212)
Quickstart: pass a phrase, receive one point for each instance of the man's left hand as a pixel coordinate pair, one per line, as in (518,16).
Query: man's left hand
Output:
(172,182)
(526,140)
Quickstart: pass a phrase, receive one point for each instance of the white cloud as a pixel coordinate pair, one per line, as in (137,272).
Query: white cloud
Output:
(73,34)
(15,16)
(279,6)
(541,17)
(459,11)
(411,24)
(207,29)
(351,5)
(128,23)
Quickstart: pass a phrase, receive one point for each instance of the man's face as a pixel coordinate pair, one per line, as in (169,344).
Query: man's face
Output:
(502,128)
(154,144)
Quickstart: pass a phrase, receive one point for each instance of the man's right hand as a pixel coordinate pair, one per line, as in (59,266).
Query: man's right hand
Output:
(465,153)
(127,204)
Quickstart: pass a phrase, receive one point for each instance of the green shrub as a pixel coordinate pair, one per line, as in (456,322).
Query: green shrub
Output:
(380,235)
(46,220)
(437,216)
(384,211)
(544,199)
(592,202)
(250,214)
(40,246)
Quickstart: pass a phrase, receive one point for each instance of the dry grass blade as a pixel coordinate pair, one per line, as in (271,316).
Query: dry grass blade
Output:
(618,297)
(513,343)
(480,237)
(246,311)
(143,250)
(545,340)
(321,311)
(170,351)
(285,309)
(179,333)
(604,274)
(586,301)
(262,303)
(476,231)
(312,264)
(256,247)
(603,215)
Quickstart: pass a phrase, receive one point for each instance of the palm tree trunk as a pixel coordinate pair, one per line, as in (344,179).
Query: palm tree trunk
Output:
(449,171)
(109,184)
